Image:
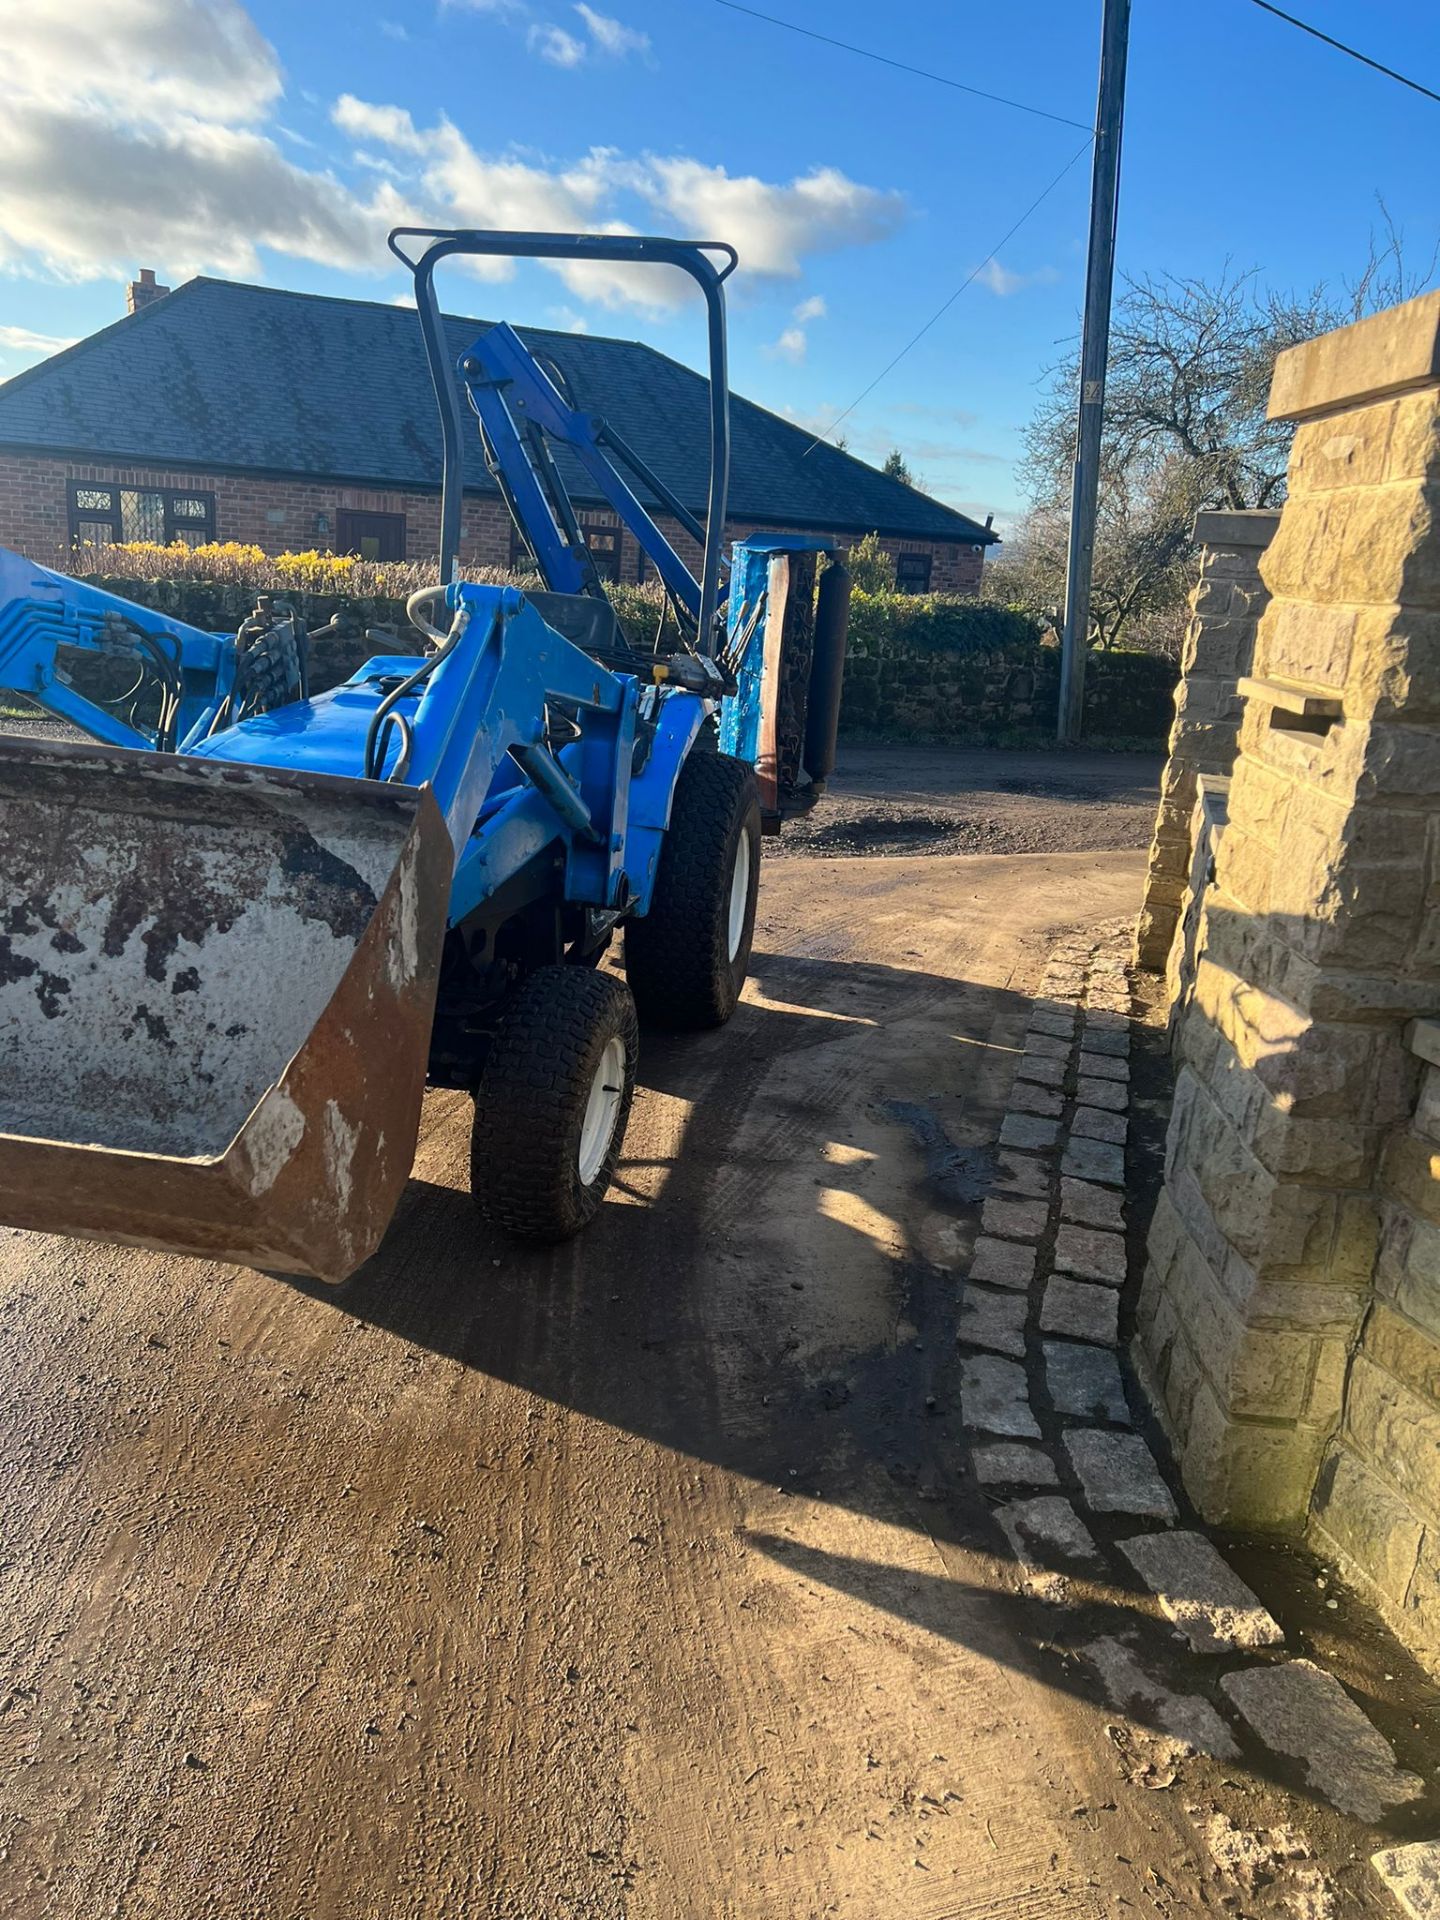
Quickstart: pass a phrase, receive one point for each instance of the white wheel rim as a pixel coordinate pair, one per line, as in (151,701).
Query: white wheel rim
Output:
(739,892)
(602,1110)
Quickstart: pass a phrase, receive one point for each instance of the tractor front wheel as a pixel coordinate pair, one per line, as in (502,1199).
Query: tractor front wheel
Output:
(687,958)
(552,1102)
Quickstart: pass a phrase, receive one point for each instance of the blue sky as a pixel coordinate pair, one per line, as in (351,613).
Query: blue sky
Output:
(273,142)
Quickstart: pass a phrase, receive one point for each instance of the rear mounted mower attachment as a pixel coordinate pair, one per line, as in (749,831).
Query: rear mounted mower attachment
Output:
(216,991)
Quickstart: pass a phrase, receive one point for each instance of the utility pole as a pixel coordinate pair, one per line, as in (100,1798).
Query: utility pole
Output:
(1094,350)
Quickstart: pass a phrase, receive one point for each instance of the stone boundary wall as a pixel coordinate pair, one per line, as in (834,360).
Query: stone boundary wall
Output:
(1377,1500)
(1320,944)
(900,688)
(1208,820)
(1226,603)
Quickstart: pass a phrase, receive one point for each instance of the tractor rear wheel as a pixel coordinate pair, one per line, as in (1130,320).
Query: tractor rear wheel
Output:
(687,958)
(552,1102)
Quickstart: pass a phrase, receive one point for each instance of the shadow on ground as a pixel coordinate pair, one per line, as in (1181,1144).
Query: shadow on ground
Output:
(710,1345)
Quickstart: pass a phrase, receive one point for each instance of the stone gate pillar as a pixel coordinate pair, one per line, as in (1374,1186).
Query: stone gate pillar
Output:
(1321,937)
(1225,607)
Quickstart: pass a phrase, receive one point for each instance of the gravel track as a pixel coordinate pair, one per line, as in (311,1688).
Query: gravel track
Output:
(947,800)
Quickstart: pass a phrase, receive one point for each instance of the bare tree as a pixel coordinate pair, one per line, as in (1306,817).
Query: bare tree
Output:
(1189,373)
(1385,280)
(1142,557)
(1189,376)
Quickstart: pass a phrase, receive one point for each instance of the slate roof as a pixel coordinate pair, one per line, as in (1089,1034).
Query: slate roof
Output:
(256,379)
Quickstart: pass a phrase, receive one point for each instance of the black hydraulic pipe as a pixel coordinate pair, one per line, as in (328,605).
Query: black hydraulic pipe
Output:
(608,437)
(691,256)
(563,510)
(827,673)
(507,493)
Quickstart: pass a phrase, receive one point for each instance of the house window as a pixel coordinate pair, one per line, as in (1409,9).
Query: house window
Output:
(912,573)
(601,543)
(192,518)
(103,515)
(521,558)
(603,546)
(370,536)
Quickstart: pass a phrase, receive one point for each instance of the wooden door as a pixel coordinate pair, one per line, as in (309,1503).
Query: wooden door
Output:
(372,536)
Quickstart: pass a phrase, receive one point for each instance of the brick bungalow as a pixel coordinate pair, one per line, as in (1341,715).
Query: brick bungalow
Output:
(291,421)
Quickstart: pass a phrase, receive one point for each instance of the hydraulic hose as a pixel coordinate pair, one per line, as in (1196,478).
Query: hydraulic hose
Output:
(377,735)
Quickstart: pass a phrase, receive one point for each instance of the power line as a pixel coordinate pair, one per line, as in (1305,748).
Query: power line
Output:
(942,310)
(1340,47)
(900,66)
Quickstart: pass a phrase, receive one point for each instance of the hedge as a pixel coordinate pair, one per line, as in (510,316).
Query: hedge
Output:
(928,667)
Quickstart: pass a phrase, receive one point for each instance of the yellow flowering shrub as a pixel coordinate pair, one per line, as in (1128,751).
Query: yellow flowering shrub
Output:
(233,563)
(317,572)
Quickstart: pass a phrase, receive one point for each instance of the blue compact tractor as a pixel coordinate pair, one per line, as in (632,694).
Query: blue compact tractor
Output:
(242,929)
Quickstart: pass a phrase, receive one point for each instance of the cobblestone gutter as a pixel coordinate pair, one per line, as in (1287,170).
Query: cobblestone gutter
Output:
(1085,1501)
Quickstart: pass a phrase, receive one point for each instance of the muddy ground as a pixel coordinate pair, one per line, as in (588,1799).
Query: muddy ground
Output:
(643,1579)
(903,800)
(619,1580)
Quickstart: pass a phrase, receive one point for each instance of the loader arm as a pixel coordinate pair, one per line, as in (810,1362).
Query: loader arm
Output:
(52,627)
(520,410)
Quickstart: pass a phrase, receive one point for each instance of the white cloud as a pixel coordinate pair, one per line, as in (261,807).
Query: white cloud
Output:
(144,58)
(557,46)
(612,36)
(794,341)
(391,126)
(22,340)
(394,30)
(772,226)
(603,35)
(162,147)
(150,148)
(1002,281)
(790,346)
(86,197)
(377,163)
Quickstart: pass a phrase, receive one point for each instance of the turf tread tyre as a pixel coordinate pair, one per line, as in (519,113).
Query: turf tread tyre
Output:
(531,1096)
(677,956)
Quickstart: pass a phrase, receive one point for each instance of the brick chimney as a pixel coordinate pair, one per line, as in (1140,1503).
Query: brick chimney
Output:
(142,292)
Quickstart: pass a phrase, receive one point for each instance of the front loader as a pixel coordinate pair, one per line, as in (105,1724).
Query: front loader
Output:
(241,931)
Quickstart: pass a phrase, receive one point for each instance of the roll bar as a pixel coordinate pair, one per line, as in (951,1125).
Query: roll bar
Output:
(691,256)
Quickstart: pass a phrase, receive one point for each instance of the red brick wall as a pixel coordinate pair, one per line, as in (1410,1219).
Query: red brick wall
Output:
(280,515)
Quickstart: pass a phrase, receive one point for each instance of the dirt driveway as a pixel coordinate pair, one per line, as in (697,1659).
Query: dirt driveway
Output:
(633,1579)
(640,1580)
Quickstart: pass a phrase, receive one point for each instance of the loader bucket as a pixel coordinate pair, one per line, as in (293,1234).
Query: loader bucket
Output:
(216,991)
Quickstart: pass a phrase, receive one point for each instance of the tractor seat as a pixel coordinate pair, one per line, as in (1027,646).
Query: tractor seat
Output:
(585,622)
